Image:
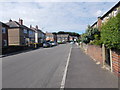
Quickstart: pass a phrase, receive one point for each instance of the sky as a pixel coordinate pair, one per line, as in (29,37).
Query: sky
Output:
(54,16)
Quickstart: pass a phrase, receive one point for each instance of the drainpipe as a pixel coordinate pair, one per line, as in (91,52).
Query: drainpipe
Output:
(111,61)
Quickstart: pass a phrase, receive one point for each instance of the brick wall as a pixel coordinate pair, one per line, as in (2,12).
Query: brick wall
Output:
(95,52)
(116,62)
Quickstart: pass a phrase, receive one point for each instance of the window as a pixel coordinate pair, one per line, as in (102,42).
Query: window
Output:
(5,43)
(30,32)
(25,31)
(3,30)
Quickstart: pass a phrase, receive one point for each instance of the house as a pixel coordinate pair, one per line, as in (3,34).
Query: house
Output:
(111,13)
(39,35)
(104,18)
(62,37)
(31,36)
(18,34)
(4,35)
(51,37)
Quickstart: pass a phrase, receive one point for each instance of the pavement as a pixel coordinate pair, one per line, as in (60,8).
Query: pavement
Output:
(83,72)
(40,68)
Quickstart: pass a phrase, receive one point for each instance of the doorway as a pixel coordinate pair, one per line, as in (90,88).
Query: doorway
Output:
(107,57)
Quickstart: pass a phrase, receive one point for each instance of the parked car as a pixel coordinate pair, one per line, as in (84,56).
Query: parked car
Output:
(46,44)
(53,43)
(72,42)
(50,44)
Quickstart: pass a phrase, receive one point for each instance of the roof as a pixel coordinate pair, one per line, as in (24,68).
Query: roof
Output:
(4,24)
(63,35)
(94,24)
(116,5)
(49,33)
(35,29)
(15,24)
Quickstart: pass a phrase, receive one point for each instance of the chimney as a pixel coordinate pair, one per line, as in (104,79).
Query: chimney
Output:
(10,20)
(99,23)
(30,26)
(36,26)
(20,21)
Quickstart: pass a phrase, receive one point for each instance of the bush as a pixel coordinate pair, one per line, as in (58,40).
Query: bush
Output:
(110,33)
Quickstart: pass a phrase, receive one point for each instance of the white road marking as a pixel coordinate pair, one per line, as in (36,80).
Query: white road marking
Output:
(65,71)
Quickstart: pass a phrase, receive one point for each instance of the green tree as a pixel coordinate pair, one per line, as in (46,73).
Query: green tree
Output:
(90,35)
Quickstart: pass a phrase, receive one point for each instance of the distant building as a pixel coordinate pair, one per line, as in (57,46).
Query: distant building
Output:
(51,37)
(62,37)
(4,35)
(73,38)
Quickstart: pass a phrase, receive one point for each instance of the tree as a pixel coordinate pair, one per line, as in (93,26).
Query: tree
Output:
(90,34)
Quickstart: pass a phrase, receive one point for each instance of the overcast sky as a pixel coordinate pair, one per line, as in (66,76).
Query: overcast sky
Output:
(54,16)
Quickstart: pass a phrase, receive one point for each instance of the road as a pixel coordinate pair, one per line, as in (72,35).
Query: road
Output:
(44,68)
(40,68)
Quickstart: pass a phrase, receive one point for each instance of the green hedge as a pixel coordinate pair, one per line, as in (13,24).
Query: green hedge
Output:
(110,32)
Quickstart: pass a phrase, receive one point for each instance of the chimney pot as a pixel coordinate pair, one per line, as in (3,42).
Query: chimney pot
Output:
(36,26)
(20,21)
(30,26)
(10,20)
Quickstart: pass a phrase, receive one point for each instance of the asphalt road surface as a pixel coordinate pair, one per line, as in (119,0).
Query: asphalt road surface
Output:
(40,68)
(44,68)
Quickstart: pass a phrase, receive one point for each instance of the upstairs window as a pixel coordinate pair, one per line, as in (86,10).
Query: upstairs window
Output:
(3,30)
(25,31)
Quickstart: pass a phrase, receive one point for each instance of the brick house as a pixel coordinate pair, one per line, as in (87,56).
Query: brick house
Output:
(18,34)
(62,37)
(4,35)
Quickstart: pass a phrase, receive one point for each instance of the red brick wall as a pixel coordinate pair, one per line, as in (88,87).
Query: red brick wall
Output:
(116,62)
(95,52)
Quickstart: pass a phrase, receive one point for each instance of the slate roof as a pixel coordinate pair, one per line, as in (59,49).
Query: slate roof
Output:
(4,24)
(15,24)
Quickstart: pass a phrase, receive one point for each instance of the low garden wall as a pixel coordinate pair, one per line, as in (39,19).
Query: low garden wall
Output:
(116,62)
(95,52)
